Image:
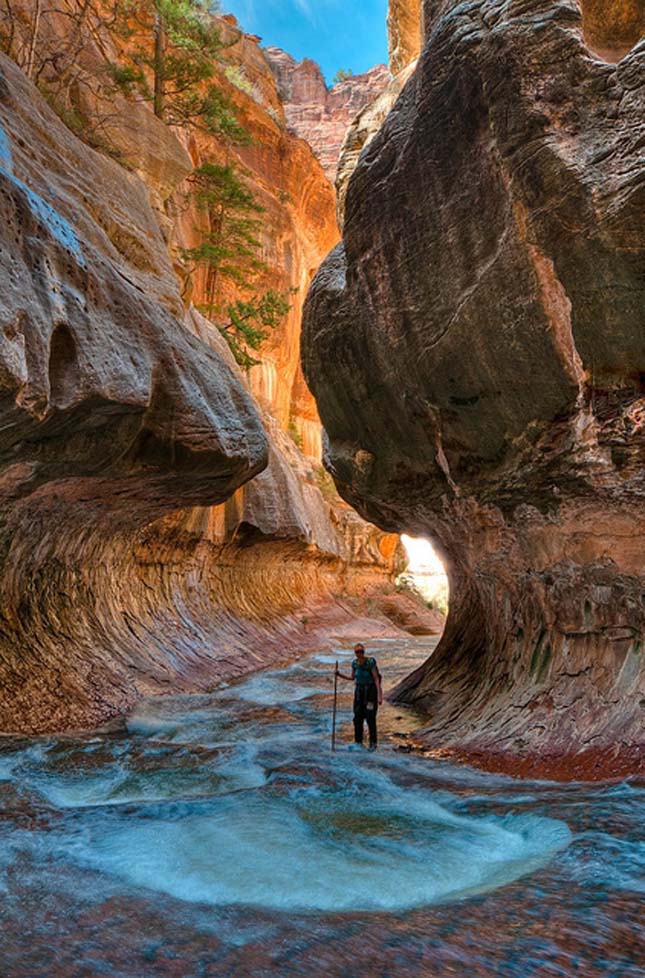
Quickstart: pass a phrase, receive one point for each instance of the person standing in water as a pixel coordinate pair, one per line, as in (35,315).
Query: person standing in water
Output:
(368,694)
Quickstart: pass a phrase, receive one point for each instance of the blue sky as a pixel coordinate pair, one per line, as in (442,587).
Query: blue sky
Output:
(335,33)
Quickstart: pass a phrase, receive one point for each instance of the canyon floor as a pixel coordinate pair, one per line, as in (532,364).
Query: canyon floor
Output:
(218,835)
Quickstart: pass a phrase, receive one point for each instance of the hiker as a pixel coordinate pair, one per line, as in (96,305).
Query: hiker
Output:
(368,694)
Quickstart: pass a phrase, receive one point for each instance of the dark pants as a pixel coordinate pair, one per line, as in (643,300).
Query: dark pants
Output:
(365,707)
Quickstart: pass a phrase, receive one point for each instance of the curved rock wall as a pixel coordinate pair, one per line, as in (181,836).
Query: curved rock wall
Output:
(476,349)
(123,423)
(112,413)
(612,27)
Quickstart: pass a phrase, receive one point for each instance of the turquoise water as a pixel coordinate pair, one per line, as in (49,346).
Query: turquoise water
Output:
(218,835)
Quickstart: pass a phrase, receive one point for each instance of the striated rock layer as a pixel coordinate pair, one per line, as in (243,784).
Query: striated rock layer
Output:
(318,114)
(121,428)
(477,351)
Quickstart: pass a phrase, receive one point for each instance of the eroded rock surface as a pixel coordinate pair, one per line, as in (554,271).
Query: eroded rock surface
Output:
(112,414)
(125,425)
(476,348)
(318,114)
(405,30)
(361,132)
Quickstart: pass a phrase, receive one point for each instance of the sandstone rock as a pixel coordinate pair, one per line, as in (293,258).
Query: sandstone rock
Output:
(118,429)
(112,414)
(317,114)
(361,131)
(298,229)
(612,28)
(404,29)
(70,66)
(412,616)
(480,334)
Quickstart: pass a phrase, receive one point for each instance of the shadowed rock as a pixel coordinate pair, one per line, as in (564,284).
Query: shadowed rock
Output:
(111,413)
(476,348)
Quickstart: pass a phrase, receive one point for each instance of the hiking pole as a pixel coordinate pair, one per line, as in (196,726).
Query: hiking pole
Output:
(333,720)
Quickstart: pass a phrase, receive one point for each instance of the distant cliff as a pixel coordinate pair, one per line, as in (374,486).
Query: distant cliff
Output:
(318,114)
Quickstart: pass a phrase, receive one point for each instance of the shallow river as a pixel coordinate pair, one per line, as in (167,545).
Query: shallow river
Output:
(219,836)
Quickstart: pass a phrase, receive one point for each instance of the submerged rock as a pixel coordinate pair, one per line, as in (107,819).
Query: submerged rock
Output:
(476,349)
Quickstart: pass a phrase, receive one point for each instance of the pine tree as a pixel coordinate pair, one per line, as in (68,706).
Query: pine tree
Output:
(170,50)
(342,75)
(229,253)
(229,248)
(250,322)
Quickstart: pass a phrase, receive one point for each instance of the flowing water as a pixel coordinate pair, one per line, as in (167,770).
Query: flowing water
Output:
(219,836)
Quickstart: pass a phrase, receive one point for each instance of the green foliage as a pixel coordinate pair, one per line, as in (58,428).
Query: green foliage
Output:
(294,434)
(169,56)
(406,583)
(326,485)
(236,75)
(432,594)
(228,251)
(229,248)
(166,52)
(342,75)
(82,126)
(250,322)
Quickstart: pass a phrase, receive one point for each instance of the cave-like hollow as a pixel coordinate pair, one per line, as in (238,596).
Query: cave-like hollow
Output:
(476,352)
(612,27)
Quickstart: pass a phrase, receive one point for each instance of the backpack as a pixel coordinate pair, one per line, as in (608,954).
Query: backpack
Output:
(372,663)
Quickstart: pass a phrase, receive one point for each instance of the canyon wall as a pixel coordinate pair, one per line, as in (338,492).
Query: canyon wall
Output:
(318,114)
(298,226)
(405,33)
(137,556)
(476,347)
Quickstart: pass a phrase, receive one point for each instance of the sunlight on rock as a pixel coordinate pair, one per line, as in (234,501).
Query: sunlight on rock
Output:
(425,573)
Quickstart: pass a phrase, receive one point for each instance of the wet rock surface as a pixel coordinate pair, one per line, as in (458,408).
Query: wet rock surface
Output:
(163,850)
(476,349)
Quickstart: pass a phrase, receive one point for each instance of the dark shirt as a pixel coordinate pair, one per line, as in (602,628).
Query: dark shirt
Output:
(362,671)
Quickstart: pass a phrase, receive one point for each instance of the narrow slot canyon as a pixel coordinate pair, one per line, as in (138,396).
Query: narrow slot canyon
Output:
(322,455)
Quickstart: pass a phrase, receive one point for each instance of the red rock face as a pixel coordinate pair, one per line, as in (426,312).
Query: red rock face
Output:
(476,349)
(124,426)
(112,414)
(317,114)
